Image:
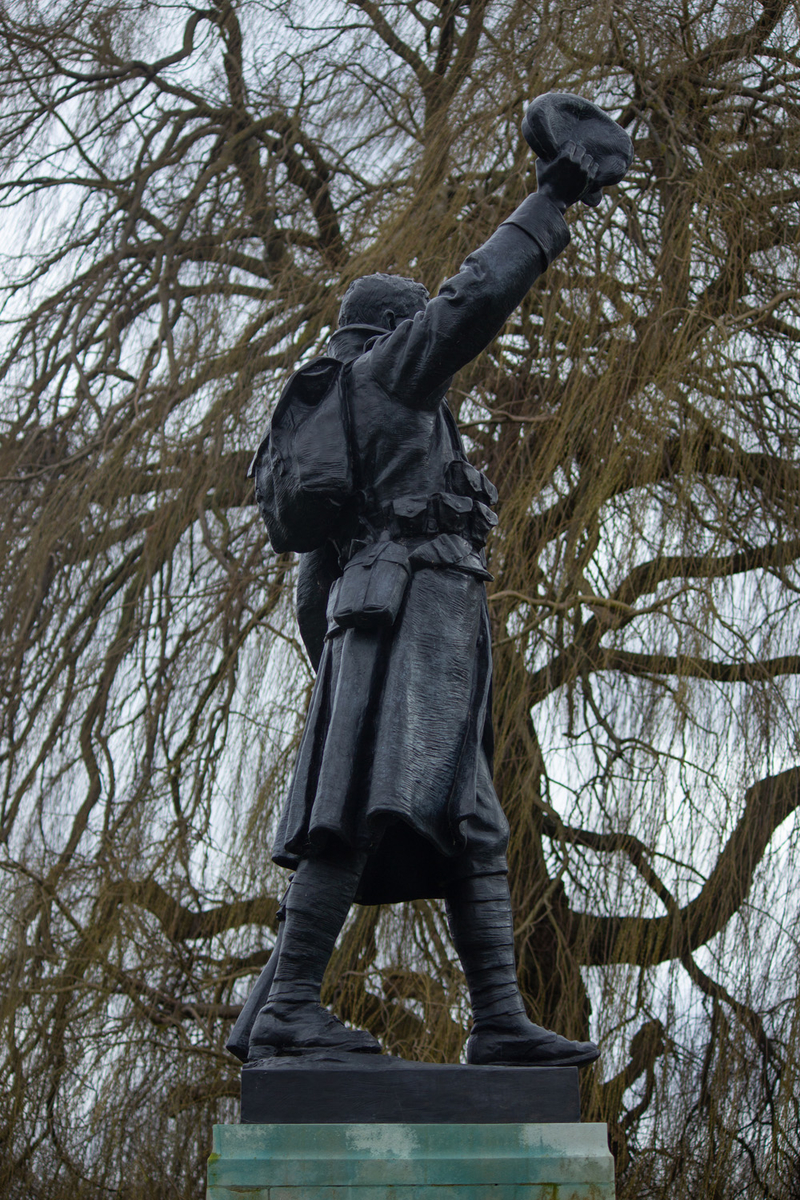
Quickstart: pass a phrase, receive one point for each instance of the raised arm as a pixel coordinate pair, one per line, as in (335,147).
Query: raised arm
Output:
(414,362)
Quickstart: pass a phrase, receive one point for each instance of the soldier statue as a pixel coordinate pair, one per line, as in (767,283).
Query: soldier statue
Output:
(363,472)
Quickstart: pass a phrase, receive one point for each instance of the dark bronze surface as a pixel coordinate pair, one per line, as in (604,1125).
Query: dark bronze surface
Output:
(364,473)
(389,1090)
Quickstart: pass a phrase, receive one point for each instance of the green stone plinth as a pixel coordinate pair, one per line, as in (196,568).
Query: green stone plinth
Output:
(410,1162)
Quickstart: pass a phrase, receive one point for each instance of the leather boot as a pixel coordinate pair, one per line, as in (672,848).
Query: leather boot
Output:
(479,915)
(293,1020)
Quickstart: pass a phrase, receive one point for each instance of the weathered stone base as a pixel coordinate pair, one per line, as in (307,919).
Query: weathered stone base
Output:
(411,1162)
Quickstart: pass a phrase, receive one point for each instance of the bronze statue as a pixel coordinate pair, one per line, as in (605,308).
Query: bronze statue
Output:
(364,473)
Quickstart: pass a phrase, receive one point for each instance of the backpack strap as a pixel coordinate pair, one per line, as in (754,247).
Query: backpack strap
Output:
(452,429)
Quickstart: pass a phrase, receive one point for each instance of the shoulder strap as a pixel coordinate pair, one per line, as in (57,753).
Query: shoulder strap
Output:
(452,429)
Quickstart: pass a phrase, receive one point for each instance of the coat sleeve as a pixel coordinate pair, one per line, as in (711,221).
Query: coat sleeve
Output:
(318,570)
(416,361)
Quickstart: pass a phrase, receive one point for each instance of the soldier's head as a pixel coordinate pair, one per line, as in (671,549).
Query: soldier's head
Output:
(382,301)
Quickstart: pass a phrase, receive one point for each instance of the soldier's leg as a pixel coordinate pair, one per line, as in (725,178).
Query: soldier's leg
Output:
(479,916)
(481,925)
(293,1020)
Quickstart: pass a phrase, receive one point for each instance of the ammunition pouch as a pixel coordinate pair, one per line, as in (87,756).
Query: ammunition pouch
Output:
(371,589)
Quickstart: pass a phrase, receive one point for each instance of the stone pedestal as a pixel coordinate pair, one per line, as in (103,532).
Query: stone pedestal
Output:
(411,1162)
(384,1129)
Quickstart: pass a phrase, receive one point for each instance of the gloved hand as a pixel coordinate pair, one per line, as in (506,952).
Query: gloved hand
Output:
(568,177)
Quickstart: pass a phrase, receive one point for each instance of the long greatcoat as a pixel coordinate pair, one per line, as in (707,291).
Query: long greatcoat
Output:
(395,758)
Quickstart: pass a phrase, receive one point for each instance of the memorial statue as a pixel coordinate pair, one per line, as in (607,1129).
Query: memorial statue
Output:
(363,471)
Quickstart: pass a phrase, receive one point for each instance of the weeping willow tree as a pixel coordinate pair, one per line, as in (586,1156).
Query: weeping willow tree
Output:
(186,193)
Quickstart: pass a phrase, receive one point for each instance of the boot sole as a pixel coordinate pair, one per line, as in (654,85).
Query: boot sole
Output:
(572,1060)
(257,1053)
